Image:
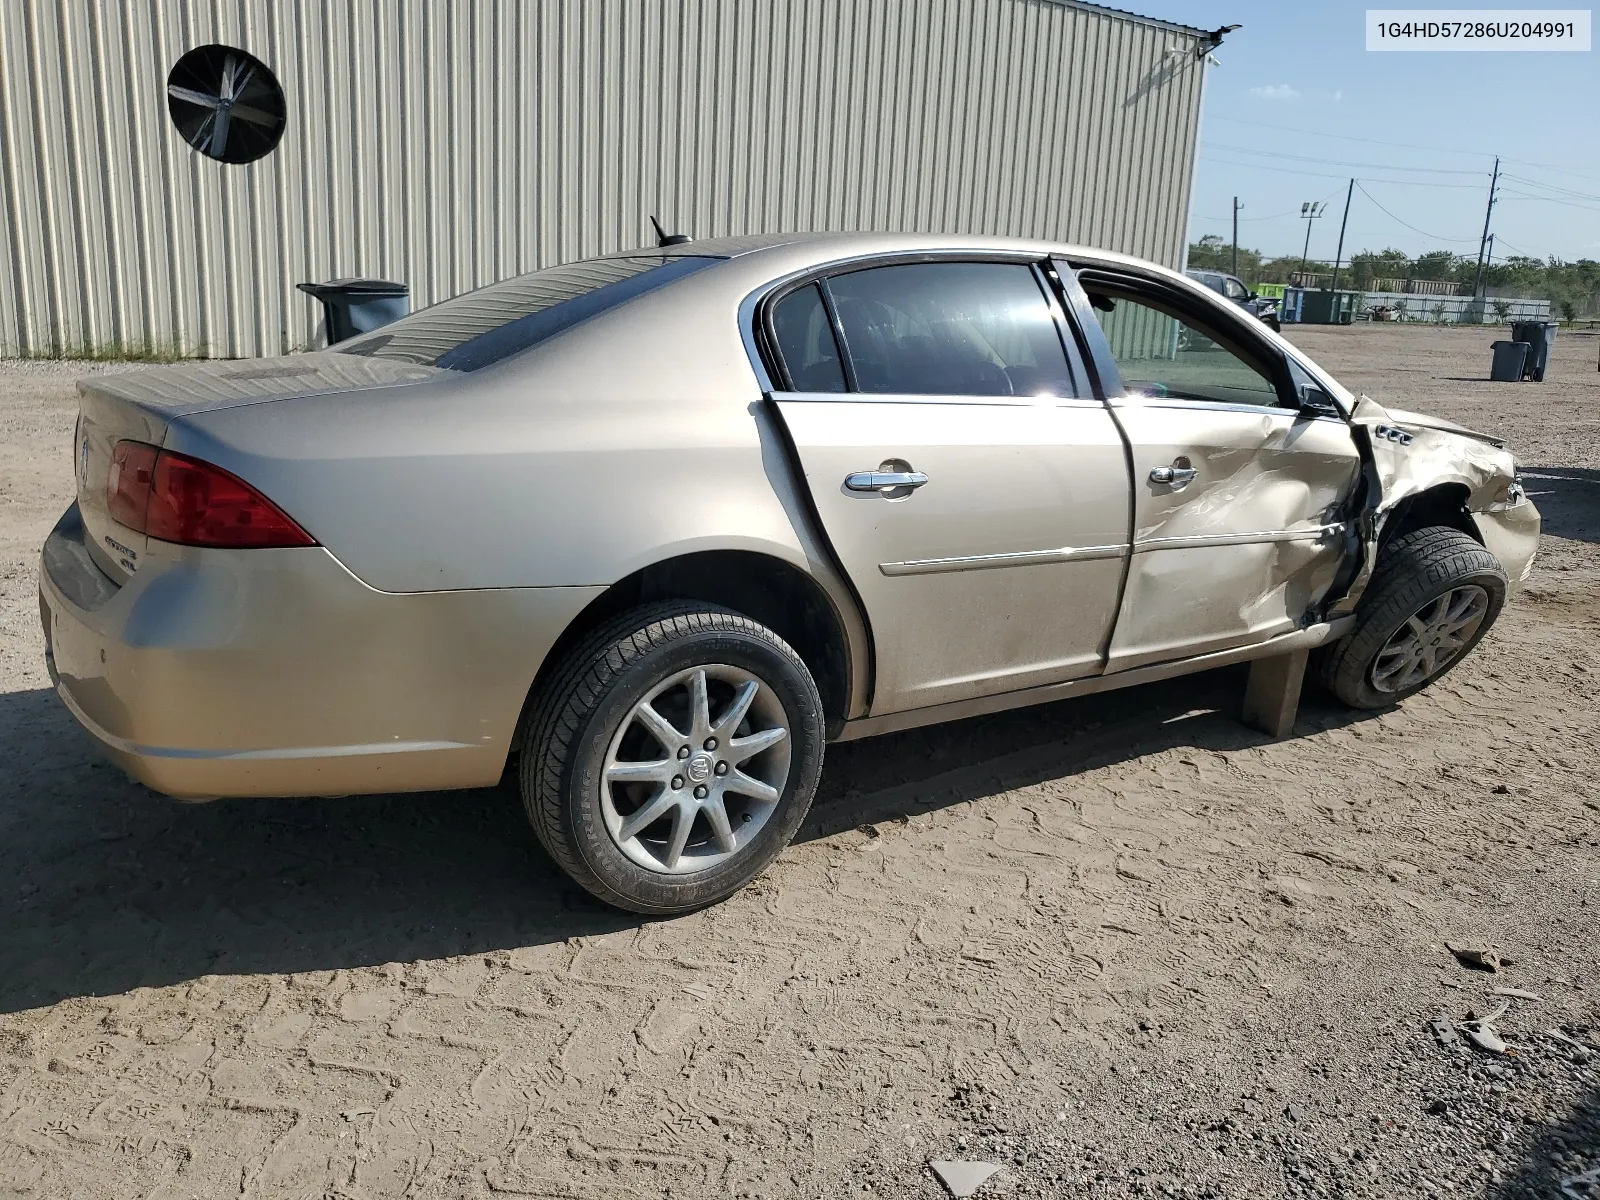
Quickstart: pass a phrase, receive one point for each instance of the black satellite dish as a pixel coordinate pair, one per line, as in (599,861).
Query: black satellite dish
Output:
(226,103)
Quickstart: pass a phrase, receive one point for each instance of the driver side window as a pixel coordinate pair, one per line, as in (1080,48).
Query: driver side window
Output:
(1163,356)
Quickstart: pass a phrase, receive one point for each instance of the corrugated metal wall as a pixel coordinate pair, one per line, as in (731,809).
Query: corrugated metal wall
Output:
(450,143)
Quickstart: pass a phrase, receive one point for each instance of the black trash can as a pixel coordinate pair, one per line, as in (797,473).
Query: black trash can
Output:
(354,306)
(1539,335)
(1509,360)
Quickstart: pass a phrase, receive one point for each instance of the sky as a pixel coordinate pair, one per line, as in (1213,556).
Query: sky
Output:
(1298,105)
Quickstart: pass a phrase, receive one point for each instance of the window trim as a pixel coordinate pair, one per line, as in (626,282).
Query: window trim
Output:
(772,352)
(1222,327)
(764,301)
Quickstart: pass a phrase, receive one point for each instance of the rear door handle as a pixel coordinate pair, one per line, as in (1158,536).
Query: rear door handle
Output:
(883,481)
(1177,478)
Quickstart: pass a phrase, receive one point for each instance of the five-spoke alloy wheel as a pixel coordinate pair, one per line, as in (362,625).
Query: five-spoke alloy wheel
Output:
(671,755)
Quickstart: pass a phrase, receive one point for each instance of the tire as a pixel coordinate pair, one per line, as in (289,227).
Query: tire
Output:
(595,763)
(1437,577)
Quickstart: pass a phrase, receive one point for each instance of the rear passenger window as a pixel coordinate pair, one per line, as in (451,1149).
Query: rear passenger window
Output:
(951,329)
(806,342)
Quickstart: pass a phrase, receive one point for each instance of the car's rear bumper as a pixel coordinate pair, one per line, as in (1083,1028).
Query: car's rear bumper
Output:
(1512,536)
(277,672)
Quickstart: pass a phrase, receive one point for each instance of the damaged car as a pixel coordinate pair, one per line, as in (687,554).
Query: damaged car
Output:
(650,529)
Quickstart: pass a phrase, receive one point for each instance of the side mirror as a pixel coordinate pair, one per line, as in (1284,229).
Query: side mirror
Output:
(1314,402)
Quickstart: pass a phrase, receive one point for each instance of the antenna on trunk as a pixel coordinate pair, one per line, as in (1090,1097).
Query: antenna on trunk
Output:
(663,238)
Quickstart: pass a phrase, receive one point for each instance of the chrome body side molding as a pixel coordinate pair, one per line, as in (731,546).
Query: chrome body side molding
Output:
(987,562)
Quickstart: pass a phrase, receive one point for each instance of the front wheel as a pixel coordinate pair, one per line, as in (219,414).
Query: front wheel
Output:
(671,756)
(1434,595)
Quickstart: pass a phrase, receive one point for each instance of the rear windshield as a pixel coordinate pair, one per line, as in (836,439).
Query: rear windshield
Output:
(483,327)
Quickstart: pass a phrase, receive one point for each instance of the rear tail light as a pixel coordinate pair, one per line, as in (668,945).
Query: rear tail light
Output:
(180,499)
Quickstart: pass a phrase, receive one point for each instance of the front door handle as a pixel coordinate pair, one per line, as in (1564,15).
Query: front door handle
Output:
(883,481)
(1177,478)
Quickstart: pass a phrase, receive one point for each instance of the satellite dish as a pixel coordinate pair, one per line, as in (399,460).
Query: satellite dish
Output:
(226,103)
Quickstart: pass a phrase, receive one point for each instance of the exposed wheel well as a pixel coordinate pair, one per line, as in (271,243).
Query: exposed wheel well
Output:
(1445,504)
(780,596)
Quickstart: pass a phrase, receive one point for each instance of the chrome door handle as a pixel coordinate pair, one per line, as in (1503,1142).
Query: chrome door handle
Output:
(1177,478)
(883,481)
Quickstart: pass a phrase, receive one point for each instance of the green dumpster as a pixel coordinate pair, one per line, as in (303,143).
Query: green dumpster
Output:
(1329,308)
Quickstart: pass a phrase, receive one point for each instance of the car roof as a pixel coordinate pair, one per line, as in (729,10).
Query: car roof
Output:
(796,250)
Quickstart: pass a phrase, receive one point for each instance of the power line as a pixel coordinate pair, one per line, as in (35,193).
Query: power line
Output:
(1522,162)
(1552,200)
(1293,212)
(1335,162)
(1435,236)
(1550,187)
(1514,246)
(1346,137)
(1300,171)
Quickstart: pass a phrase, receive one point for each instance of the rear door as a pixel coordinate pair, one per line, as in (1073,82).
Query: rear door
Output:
(975,494)
(1239,492)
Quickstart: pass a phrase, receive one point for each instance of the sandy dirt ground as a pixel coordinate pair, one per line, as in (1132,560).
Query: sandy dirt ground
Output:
(1120,946)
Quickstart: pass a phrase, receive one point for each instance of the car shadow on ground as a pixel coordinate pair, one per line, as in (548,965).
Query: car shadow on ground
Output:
(106,886)
(1565,1153)
(1568,499)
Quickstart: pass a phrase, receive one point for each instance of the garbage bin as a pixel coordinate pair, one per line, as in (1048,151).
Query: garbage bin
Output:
(1329,308)
(1509,359)
(1539,335)
(354,306)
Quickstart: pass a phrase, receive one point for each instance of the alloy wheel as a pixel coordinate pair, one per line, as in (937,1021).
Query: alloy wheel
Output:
(1430,640)
(696,769)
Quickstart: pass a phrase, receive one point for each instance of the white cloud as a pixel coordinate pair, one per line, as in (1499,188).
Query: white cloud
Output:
(1275,91)
(1338,96)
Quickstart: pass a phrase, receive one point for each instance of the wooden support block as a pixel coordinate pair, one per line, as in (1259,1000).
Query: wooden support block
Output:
(1272,696)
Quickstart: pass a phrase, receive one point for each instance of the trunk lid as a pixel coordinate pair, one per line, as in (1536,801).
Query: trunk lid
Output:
(139,405)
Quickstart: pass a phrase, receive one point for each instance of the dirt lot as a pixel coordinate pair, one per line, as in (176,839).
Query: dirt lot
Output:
(1121,946)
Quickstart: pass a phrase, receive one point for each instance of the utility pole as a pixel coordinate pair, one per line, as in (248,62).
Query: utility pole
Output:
(1236,207)
(1339,253)
(1309,212)
(1483,242)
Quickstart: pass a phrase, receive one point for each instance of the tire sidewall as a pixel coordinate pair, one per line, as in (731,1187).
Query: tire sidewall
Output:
(581,782)
(1373,634)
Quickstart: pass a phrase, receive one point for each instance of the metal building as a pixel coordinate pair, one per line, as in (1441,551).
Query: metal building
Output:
(450,143)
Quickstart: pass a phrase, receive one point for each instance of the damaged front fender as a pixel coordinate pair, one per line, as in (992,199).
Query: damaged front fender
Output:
(1408,457)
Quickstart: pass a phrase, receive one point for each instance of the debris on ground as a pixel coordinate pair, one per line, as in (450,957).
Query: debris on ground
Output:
(1484,1037)
(1580,1052)
(1479,958)
(963,1178)
(1444,1029)
(1515,993)
(1582,1187)
(1480,1030)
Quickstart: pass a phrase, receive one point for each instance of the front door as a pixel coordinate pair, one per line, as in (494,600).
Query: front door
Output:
(1238,492)
(975,495)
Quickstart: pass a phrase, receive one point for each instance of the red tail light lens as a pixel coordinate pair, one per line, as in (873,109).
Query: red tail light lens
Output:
(180,499)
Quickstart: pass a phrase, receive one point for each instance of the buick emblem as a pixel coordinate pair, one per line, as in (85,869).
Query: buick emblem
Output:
(699,768)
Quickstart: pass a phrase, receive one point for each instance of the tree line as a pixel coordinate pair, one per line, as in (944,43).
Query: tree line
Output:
(1573,288)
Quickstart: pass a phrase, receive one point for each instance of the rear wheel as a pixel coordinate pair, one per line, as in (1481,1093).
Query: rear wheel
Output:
(1434,595)
(672,755)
